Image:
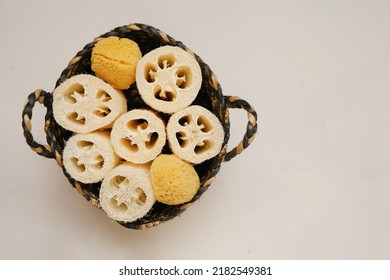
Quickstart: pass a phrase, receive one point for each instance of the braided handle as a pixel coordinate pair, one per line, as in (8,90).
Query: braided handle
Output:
(44,98)
(251,128)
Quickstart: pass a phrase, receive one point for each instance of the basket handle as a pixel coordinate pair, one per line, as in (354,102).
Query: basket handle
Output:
(44,98)
(233,102)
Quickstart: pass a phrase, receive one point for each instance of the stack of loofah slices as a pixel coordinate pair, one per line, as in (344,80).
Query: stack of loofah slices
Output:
(139,125)
(122,148)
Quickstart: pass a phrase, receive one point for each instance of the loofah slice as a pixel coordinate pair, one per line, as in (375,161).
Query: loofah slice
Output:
(85,103)
(138,136)
(126,193)
(174,180)
(89,157)
(195,134)
(168,79)
(114,60)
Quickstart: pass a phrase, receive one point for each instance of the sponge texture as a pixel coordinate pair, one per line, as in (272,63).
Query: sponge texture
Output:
(115,60)
(175,181)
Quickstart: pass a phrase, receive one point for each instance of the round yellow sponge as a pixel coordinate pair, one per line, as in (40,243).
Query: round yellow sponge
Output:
(115,60)
(174,180)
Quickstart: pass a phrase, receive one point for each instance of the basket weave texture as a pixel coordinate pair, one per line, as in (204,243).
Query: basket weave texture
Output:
(210,96)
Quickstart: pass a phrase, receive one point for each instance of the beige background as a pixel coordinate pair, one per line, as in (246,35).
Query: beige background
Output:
(313,185)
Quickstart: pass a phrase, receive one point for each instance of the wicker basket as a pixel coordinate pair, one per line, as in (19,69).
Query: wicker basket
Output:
(210,96)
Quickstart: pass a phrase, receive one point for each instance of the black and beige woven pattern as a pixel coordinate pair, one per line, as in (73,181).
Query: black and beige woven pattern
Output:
(210,96)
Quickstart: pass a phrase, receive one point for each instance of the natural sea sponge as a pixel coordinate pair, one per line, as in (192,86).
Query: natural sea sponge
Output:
(89,157)
(85,103)
(195,134)
(168,79)
(115,60)
(174,180)
(126,193)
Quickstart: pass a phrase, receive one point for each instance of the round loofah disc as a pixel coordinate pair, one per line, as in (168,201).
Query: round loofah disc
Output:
(195,134)
(126,193)
(138,136)
(85,103)
(168,79)
(89,157)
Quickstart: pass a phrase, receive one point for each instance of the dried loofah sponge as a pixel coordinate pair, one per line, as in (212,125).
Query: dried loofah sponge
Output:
(85,103)
(138,136)
(175,181)
(89,157)
(195,134)
(115,60)
(126,193)
(168,79)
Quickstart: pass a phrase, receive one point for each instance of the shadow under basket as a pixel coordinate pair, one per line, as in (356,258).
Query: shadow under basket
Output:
(210,96)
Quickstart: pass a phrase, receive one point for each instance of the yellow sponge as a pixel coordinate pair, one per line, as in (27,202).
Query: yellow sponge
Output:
(115,60)
(174,180)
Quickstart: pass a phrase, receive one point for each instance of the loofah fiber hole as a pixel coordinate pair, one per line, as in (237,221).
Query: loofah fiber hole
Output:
(182,139)
(137,124)
(86,145)
(140,196)
(164,94)
(203,147)
(128,144)
(102,111)
(103,96)
(116,181)
(73,93)
(153,137)
(204,125)
(98,162)
(183,77)
(185,120)
(76,118)
(166,61)
(114,203)
(79,166)
(150,73)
